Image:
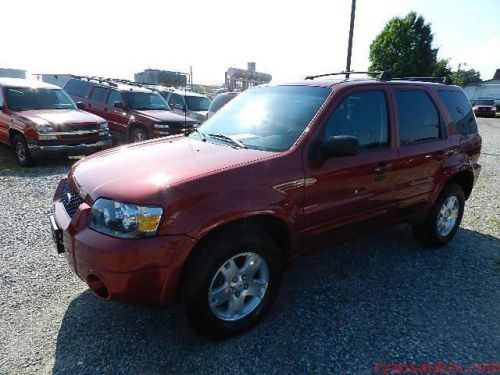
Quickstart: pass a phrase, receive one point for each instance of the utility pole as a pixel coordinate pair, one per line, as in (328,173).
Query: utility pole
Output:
(349,44)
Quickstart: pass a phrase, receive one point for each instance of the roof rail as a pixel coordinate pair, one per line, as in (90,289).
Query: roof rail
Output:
(112,81)
(382,75)
(444,80)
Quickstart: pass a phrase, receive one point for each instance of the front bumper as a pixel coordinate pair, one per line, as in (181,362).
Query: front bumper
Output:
(485,113)
(139,271)
(39,148)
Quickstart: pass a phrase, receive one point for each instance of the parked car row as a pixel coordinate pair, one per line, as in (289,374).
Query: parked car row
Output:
(90,114)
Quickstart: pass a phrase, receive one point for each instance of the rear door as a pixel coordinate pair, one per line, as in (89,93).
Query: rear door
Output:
(117,117)
(176,102)
(423,144)
(97,102)
(352,189)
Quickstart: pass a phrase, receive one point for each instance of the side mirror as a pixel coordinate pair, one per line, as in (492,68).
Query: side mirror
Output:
(118,105)
(80,105)
(340,145)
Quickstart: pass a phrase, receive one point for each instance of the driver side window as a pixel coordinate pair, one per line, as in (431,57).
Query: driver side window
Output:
(362,115)
(1,98)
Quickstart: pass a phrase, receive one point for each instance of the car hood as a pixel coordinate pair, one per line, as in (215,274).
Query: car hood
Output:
(61,119)
(161,116)
(143,172)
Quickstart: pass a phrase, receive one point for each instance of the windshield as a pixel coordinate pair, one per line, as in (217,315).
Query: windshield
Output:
(482,102)
(24,98)
(197,103)
(146,101)
(267,118)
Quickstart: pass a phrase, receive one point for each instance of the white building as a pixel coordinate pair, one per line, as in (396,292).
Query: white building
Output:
(54,79)
(487,89)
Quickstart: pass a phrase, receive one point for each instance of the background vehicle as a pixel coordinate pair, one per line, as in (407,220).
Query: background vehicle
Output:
(38,119)
(215,216)
(188,103)
(134,113)
(484,107)
(220,101)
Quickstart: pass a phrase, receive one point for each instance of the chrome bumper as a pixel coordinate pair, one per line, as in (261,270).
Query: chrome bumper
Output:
(81,149)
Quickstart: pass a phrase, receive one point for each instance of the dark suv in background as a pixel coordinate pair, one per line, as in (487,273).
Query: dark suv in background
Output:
(38,119)
(134,113)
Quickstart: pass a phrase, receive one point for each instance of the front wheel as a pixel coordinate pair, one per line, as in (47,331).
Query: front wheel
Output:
(231,282)
(444,217)
(138,135)
(21,151)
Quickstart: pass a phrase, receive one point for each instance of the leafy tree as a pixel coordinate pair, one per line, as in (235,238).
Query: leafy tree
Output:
(404,48)
(466,77)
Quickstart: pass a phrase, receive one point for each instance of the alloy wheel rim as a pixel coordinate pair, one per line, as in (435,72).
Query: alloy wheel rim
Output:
(20,152)
(238,286)
(448,216)
(138,137)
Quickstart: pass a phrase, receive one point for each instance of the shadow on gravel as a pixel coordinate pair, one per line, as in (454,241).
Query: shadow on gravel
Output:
(378,299)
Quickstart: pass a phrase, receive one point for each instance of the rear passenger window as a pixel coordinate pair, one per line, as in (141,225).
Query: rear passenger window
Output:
(362,115)
(99,94)
(77,88)
(114,97)
(460,110)
(418,117)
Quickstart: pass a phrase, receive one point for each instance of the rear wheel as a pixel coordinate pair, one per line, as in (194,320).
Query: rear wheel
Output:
(21,151)
(231,283)
(138,135)
(444,217)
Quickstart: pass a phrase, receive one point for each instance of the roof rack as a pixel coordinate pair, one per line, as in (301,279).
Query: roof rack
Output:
(113,82)
(382,75)
(444,80)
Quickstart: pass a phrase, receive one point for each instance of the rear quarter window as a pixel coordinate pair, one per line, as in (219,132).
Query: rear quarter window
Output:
(76,87)
(460,111)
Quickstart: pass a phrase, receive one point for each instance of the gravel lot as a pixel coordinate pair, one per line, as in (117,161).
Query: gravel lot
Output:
(381,299)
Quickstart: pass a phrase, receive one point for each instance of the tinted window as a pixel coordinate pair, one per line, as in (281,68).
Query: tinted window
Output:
(77,87)
(114,96)
(460,110)
(482,102)
(99,94)
(22,99)
(175,99)
(146,101)
(197,103)
(417,116)
(362,115)
(1,97)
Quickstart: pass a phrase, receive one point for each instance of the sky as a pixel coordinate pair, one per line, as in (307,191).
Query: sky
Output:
(288,39)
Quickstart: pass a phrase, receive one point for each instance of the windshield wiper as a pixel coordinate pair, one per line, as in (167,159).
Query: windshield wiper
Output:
(195,130)
(228,139)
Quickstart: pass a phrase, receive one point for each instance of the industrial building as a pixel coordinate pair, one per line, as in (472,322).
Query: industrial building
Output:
(487,89)
(12,73)
(162,77)
(241,79)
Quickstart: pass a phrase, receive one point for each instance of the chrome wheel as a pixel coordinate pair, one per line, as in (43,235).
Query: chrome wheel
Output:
(139,137)
(448,216)
(21,152)
(238,286)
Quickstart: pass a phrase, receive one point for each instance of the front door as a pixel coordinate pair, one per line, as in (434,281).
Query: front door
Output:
(117,117)
(351,189)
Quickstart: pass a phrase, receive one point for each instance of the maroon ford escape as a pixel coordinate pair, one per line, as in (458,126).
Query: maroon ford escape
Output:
(211,218)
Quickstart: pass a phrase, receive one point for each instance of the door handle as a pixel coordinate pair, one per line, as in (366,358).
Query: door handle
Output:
(381,168)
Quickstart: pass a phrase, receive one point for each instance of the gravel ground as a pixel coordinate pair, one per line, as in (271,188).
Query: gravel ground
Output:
(379,299)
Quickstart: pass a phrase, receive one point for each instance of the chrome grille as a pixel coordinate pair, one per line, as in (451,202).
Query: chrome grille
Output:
(70,199)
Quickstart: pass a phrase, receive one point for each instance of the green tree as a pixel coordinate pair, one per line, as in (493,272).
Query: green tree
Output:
(465,77)
(404,48)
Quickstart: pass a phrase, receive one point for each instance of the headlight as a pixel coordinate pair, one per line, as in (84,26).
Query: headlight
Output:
(125,220)
(103,128)
(42,129)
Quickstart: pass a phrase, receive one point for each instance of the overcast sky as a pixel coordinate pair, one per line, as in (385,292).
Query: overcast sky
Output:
(289,39)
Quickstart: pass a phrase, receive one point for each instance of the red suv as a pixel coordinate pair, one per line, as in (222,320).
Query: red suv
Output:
(134,113)
(38,119)
(212,217)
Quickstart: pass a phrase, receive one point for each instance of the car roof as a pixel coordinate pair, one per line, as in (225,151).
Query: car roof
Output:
(187,93)
(113,85)
(353,82)
(26,83)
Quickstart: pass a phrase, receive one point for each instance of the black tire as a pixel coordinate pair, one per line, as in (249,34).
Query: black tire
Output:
(427,232)
(203,268)
(138,135)
(21,151)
